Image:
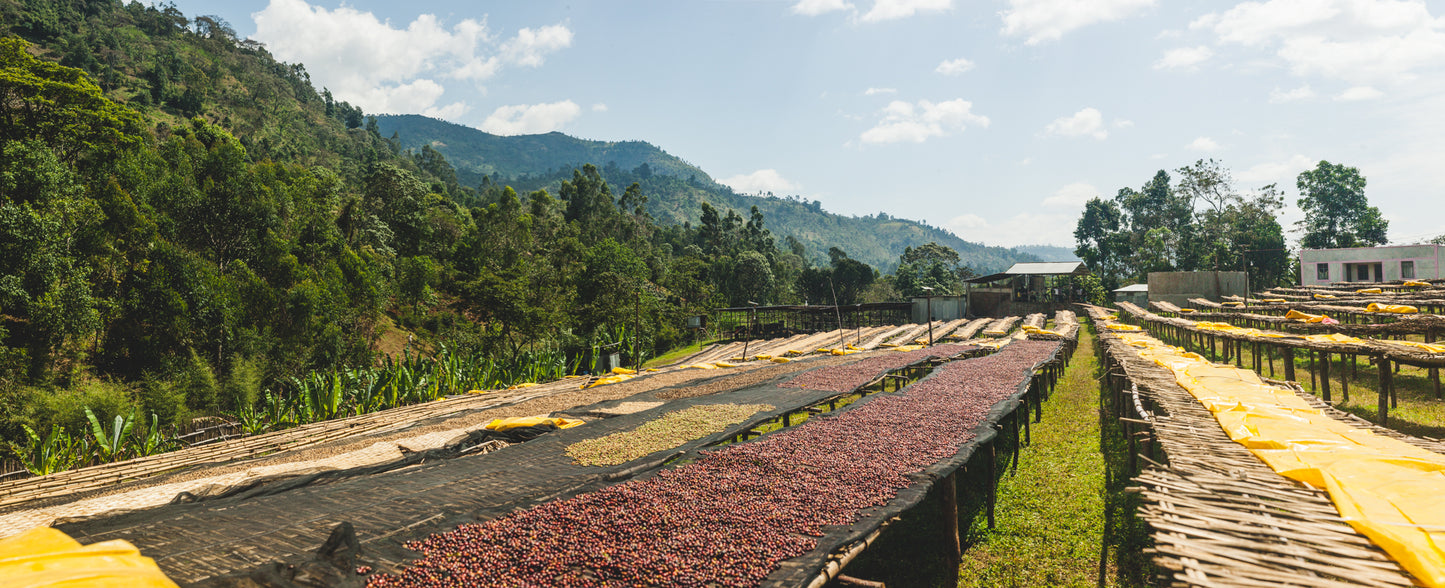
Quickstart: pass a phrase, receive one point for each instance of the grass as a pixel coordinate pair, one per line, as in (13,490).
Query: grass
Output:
(1063,518)
(676,354)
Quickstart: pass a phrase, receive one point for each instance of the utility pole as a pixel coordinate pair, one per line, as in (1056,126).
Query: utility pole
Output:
(929,298)
(751,312)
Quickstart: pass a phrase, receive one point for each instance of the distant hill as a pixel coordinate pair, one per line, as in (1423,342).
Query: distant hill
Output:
(1049,252)
(676,190)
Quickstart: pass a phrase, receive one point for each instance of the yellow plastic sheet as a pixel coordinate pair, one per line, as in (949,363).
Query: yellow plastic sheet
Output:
(1369,291)
(611,380)
(1431,347)
(1333,338)
(1395,308)
(1122,327)
(899,348)
(515,422)
(1306,317)
(1187,310)
(780,360)
(1324,296)
(1416,284)
(46,557)
(724,364)
(622,371)
(1386,489)
(1231,304)
(1274,300)
(701,366)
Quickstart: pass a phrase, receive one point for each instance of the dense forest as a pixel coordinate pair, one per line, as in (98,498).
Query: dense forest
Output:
(677,190)
(188,229)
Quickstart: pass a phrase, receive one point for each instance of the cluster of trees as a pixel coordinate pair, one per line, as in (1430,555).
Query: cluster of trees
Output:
(1200,222)
(162,260)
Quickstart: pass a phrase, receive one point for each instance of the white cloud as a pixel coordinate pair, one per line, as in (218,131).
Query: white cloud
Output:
(599,107)
(817,7)
(1203,144)
(916,123)
(1359,93)
(526,119)
(967,221)
(1050,20)
(1072,196)
(1358,41)
(877,91)
(1088,121)
(953,67)
(383,68)
(1278,96)
(763,180)
(529,47)
(895,9)
(1021,229)
(1184,57)
(1121,123)
(1276,172)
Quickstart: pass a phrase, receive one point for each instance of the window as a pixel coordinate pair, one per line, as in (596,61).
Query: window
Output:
(1407,270)
(1322,271)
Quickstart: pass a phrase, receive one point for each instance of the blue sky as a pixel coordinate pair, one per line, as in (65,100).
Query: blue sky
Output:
(994,119)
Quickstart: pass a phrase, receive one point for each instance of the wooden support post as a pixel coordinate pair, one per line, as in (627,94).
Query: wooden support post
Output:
(1434,371)
(1314,388)
(1028,437)
(1345,377)
(1382,416)
(992,481)
(948,491)
(1269,351)
(1325,375)
(1018,441)
(1239,354)
(1289,364)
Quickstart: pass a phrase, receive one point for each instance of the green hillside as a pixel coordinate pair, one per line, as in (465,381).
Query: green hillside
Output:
(676,190)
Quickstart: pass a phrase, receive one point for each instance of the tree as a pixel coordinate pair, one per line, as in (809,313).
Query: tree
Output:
(59,106)
(1337,214)
(1100,241)
(932,266)
(1440,240)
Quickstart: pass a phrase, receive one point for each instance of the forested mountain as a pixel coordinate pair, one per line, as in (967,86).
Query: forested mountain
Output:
(189,228)
(1049,252)
(676,190)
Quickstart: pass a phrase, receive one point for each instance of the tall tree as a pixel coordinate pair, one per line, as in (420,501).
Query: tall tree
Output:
(1337,214)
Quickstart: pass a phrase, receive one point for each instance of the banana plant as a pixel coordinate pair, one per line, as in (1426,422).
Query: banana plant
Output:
(155,440)
(110,445)
(56,452)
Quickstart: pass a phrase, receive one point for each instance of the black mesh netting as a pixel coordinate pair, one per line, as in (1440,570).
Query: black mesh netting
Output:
(232,533)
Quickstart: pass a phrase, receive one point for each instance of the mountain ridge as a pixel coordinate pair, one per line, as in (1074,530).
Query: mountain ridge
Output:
(677,189)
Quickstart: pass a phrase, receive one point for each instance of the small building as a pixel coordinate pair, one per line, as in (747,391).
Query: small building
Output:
(1178,287)
(943,308)
(1134,293)
(1026,288)
(1320,267)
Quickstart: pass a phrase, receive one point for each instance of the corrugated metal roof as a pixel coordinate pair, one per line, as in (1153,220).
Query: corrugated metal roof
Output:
(1134,288)
(1047,268)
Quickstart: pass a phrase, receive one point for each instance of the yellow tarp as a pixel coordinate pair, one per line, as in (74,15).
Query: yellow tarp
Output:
(701,366)
(1033,329)
(1415,284)
(724,364)
(522,385)
(1386,489)
(1274,300)
(622,371)
(46,557)
(1395,308)
(1324,296)
(1231,304)
(1369,291)
(1333,338)
(515,422)
(780,360)
(1187,310)
(1306,317)
(1122,327)
(899,348)
(610,380)
(1431,347)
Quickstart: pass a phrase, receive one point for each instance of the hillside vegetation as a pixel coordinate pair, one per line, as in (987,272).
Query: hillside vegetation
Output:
(676,190)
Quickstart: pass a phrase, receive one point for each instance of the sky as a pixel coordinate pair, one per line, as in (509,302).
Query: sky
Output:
(995,119)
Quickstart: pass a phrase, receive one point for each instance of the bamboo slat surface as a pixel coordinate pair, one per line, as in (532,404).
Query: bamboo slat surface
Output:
(1220,516)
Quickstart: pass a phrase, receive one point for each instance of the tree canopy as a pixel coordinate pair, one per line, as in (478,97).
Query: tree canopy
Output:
(1337,214)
